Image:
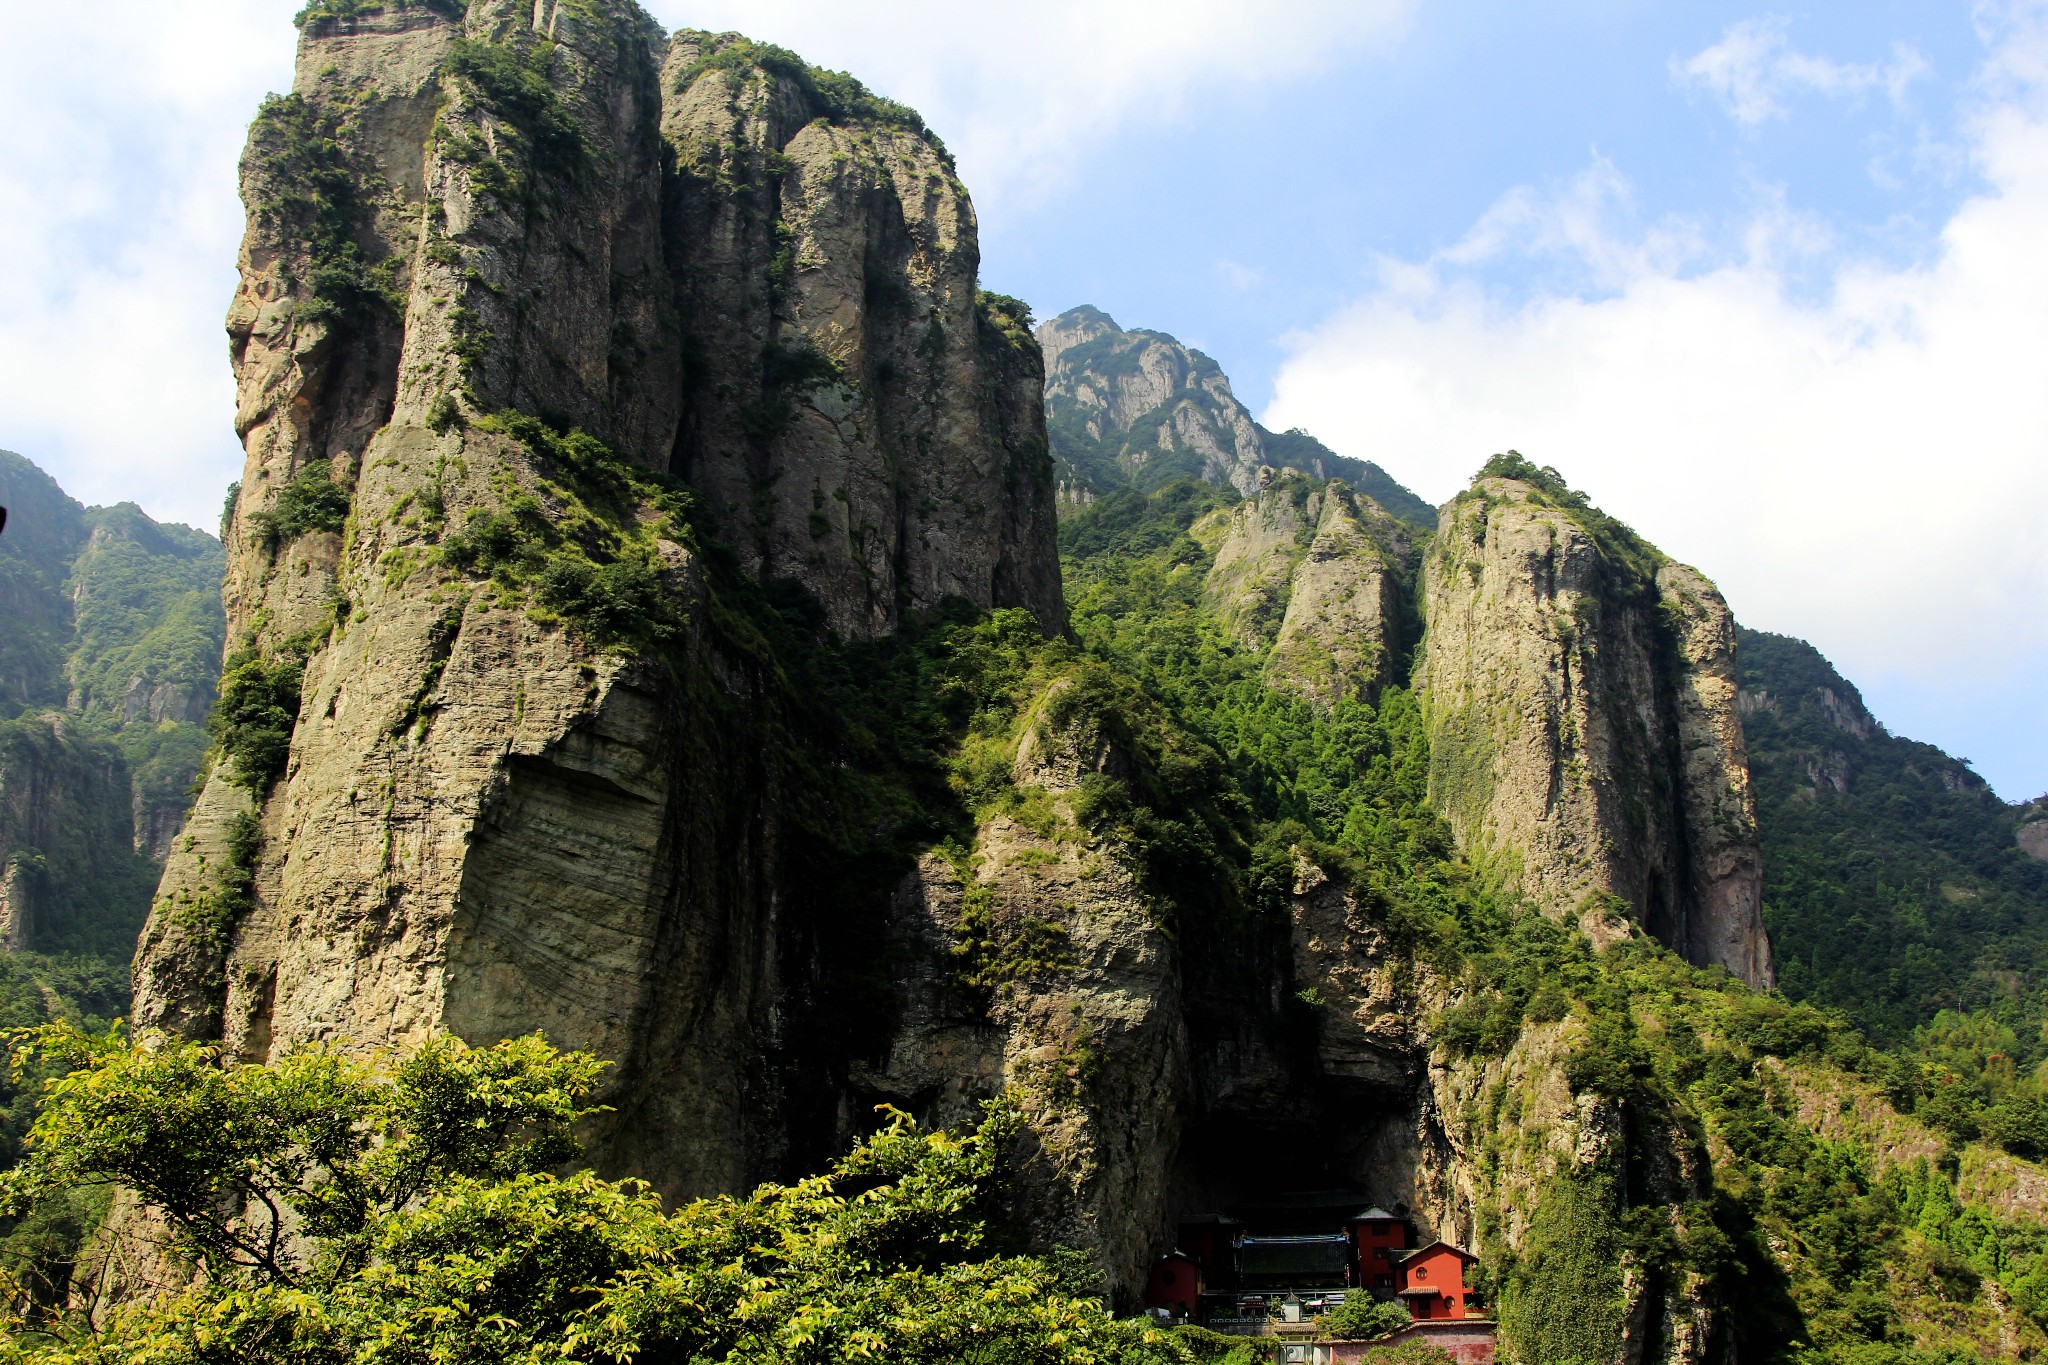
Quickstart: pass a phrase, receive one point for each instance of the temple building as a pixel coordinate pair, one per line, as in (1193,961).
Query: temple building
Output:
(1295,1257)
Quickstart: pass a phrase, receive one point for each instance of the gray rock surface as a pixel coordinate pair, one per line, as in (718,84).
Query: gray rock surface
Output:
(490,822)
(1139,409)
(1318,574)
(1586,742)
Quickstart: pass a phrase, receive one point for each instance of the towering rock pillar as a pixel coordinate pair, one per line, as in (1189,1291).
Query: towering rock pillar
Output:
(1585,738)
(497,759)
(861,419)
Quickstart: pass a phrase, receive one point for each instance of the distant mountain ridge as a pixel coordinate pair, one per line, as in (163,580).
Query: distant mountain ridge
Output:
(1896,883)
(1137,409)
(108,667)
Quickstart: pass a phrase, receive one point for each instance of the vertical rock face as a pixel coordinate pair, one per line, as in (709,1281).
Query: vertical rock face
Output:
(859,419)
(1075,1005)
(1585,734)
(71,876)
(1320,575)
(509,267)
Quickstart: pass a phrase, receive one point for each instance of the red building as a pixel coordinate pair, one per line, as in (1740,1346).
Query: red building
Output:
(1175,1284)
(1380,1238)
(1431,1280)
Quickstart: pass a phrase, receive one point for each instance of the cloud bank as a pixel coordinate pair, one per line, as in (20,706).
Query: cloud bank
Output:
(1868,469)
(118,173)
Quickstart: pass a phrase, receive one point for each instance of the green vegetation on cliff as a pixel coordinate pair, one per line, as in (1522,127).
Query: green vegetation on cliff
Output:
(834,94)
(310,204)
(1295,448)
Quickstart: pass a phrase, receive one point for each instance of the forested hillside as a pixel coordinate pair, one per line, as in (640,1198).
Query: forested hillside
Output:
(1900,891)
(109,657)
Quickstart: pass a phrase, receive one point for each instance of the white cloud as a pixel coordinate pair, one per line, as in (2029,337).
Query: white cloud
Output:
(1869,470)
(124,122)
(1022,92)
(1753,70)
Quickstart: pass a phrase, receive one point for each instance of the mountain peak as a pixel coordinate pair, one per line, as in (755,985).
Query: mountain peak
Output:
(1135,408)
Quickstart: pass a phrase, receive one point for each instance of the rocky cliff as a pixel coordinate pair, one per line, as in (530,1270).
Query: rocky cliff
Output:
(1321,576)
(1139,409)
(514,734)
(1586,742)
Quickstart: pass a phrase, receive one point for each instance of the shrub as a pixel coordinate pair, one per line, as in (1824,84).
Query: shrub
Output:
(1361,1317)
(253,720)
(1423,1353)
(311,501)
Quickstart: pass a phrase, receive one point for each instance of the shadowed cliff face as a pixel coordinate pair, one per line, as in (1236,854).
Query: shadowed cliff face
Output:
(504,274)
(1585,736)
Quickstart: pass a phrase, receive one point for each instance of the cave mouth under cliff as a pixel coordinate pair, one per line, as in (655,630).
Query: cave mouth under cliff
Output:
(1290,1166)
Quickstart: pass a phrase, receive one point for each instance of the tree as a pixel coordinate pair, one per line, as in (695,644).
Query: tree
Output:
(347,1215)
(242,1160)
(1361,1317)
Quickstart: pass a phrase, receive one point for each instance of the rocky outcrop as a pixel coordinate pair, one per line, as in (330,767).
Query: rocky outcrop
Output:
(2032,835)
(1586,743)
(1320,576)
(545,771)
(1071,997)
(1139,409)
(1142,405)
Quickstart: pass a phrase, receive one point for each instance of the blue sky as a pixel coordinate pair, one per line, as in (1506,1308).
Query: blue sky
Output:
(1233,224)
(1762,279)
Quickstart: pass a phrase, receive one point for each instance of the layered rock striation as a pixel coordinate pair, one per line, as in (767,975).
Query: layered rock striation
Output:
(1586,741)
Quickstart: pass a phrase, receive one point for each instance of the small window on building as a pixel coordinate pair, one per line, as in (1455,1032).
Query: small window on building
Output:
(1422,1272)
